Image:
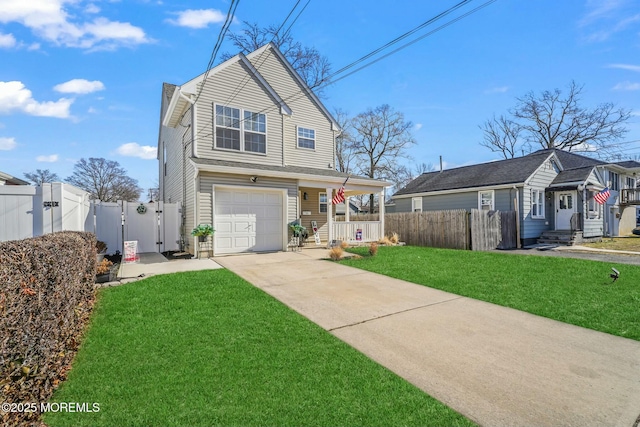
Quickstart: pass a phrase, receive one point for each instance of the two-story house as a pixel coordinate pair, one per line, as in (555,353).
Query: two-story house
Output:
(250,149)
(552,190)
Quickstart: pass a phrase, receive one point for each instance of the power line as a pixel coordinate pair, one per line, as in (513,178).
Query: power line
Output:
(332,78)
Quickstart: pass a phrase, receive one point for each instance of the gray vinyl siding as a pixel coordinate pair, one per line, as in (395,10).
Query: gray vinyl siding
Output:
(502,200)
(312,204)
(305,113)
(208,180)
(533,227)
(235,86)
(592,227)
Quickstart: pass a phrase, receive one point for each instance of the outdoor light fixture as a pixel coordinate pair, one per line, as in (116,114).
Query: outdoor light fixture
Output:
(305,196)
(254,178)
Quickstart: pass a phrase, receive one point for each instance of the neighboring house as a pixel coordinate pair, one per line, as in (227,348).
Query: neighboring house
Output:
(248,148)
(551,190)
(342,208)
(6,179)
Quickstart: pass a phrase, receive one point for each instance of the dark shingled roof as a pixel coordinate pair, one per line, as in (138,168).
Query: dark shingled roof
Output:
(573,175)
(630,164)
(510,171)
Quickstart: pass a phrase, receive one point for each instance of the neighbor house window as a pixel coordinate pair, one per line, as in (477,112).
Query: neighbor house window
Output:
(537,204)
(416,204)
(615,181)
(322,208)
(593,207)
(306,138)
(631,182)
(252,139)
(485,200)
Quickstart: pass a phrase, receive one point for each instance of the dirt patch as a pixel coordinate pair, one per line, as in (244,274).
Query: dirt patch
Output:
(631,243)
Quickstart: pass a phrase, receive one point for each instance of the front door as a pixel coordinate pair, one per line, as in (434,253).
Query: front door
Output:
(565,208)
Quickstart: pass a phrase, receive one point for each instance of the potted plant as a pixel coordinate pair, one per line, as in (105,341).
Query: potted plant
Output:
(101,250)
(202,231)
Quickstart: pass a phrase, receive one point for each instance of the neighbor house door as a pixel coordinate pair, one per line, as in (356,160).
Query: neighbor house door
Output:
(565,208)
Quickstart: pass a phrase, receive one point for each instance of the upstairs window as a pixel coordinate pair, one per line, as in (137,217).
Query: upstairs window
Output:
(537,204)
(485,200)
(631,182)
(306,138)
(252,138)
(615,181)
(255,132)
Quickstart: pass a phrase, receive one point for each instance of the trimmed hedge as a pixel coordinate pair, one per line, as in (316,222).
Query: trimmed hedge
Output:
(47,292)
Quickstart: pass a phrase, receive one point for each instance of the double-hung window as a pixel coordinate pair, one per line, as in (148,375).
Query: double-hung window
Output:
(537,204)
(615,181)
(485,200)
(306,138)
(416,204)
(249,135)
(323,203)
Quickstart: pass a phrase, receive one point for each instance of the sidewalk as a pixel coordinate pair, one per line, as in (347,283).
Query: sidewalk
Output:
(495,365)
(152,263)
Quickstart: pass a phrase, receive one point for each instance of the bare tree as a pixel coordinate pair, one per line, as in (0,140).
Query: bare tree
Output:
(104,180)
(553,120)
(380,137)
(501,135)
(346,155)
(41,176)
(313,67)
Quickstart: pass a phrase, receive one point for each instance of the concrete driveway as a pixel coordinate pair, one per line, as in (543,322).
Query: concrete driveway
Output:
(495,365)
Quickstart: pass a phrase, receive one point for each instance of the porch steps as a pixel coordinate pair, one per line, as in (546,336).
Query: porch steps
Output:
(560,237)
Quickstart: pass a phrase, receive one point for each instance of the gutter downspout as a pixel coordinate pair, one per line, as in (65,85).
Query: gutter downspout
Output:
(516,205)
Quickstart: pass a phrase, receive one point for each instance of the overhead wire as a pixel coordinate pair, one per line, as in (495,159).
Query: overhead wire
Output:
(334,77)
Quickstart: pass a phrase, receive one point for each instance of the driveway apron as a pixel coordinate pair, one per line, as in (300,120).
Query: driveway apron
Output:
(495,365)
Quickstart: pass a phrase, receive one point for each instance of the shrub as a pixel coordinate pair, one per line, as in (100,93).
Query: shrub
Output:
(385,241)
(101,246)
(344,244)
(373,249)
(394,238)
(46,296)
(336,253)
(103,266)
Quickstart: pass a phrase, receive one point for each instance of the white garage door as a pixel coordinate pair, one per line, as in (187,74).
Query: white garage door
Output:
(248,220)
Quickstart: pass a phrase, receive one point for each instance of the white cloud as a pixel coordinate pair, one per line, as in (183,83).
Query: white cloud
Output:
(133,149)
(52,158)
(79,86)
(51,20)
(608,17)
(198,18)
(498,89)
(7,144)
(14,96)
(92,8)
(417,127)
(627,67)
(7,40)
(627,86)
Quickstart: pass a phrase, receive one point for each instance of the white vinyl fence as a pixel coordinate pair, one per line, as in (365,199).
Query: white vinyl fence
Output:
(155,226)
(27,211)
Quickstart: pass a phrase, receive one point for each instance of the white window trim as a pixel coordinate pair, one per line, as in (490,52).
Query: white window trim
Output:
(241,130)
(320,202)
(535,199)
(416,204)
(493,199)
(298,138)
(591,202)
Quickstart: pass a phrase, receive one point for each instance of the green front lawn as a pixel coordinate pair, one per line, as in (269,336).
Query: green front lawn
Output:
(207,348)
(573,291)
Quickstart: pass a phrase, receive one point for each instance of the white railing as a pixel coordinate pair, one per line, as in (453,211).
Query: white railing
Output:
(371,231)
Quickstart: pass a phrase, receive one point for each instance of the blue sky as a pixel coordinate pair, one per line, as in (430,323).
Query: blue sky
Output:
(83,78)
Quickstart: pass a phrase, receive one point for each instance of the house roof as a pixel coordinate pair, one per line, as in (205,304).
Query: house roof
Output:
(329,175)
(501,172)
(572,175)
(12,180)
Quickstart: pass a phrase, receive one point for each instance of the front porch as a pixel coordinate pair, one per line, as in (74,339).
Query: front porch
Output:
(320,216)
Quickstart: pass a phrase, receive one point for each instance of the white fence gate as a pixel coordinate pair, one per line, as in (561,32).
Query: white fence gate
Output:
(155,226)
(27,211)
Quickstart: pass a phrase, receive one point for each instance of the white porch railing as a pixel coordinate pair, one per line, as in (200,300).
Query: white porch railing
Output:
(347,231)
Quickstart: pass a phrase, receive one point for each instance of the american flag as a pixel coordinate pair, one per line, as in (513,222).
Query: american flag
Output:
(602,196)
(339,197)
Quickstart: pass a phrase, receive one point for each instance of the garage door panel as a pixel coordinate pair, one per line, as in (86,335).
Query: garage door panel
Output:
(248,220)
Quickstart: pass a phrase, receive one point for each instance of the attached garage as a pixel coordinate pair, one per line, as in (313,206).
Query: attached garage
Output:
(248,220)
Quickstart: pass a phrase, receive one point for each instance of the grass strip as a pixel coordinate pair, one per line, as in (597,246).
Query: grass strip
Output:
(575,291)
(207,348)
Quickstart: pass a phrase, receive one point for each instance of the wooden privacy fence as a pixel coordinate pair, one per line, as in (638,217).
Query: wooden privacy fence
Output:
(455,229)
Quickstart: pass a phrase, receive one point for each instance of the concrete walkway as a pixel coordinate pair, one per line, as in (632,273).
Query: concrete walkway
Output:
(152,263)
(495,365)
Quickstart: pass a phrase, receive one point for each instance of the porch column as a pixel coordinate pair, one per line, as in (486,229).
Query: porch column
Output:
(381,212)
(329,215)
(346,214)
